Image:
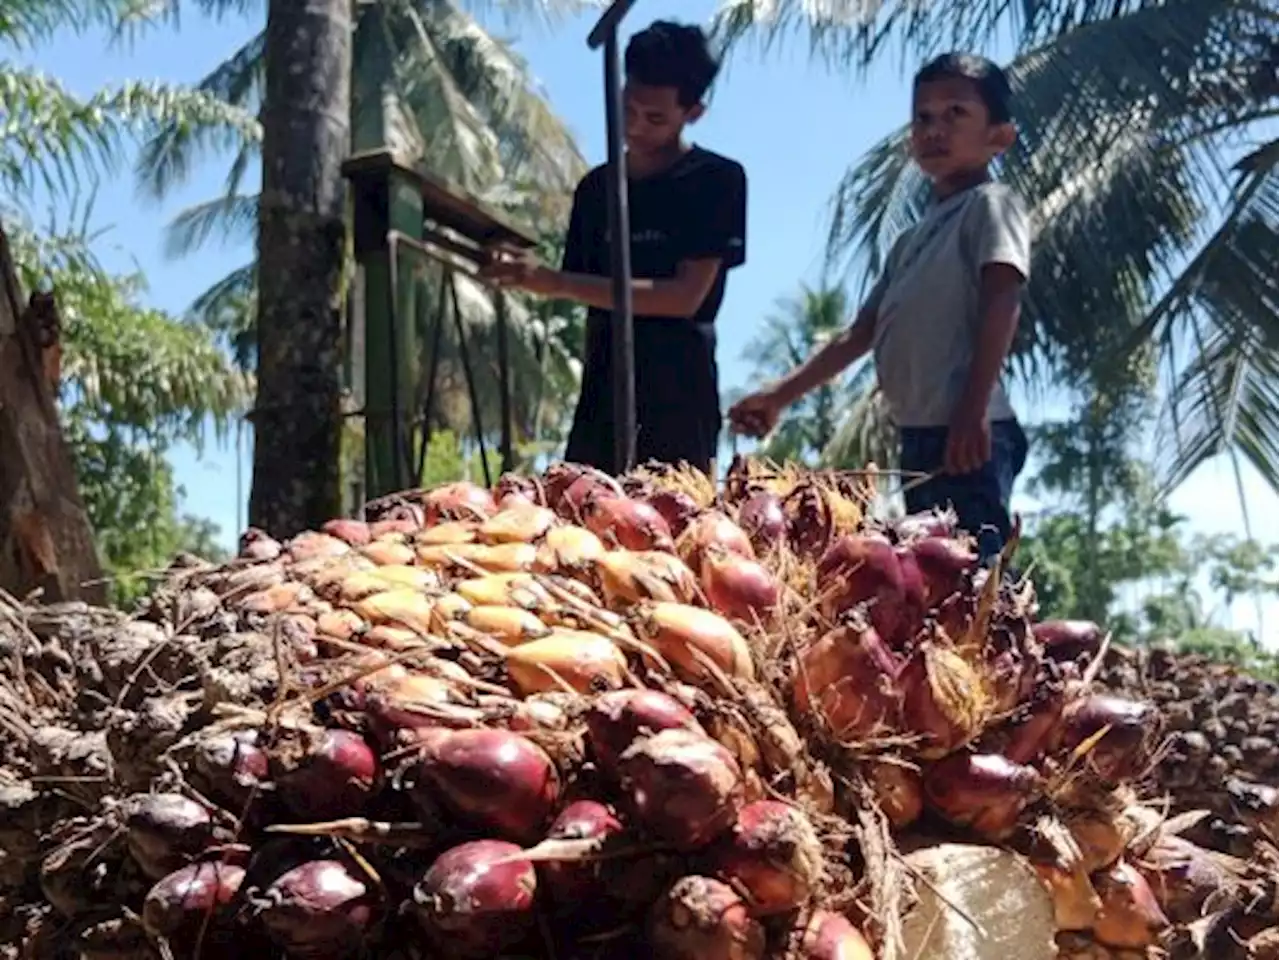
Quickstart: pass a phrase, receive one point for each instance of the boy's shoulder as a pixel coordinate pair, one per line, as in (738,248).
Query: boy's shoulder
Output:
(994,195)
(701,162)
(698,162)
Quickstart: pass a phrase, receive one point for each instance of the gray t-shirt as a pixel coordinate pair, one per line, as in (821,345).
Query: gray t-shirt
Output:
(926,302)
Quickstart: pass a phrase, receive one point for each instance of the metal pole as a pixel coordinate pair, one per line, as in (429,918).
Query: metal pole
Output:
(622,334)
(469,375)
(608,22)
(437,340)
(393,351)
(506,441)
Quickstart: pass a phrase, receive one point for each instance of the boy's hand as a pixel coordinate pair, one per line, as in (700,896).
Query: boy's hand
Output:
(968,442)
(519,269)
(755,415)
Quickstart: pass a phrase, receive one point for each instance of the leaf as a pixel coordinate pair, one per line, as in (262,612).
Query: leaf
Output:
(854,34)
(176,143)
(231,219)
(1224,308)
(127,367)
(24,23)
(866,433)
(53,139)
(229,309)
(462,104)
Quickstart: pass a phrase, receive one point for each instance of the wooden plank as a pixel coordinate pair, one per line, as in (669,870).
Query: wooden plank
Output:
(442,201)
(46,542)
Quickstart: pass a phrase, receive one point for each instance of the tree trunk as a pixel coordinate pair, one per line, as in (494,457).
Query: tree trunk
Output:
(301,245)
(46,542)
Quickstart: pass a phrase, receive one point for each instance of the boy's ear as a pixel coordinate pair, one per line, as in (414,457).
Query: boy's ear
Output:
(694,113)
(1003,136)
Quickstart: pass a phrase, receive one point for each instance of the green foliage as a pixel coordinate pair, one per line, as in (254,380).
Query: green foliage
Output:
(51,138)
(135,381)
(1108,548)
(448,460)
(135,507)
(125,364)
(1184,583)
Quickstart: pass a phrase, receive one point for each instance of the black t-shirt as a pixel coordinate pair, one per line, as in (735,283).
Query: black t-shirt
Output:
(696,209)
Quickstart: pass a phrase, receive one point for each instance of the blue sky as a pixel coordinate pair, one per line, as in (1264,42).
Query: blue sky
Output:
(793,125)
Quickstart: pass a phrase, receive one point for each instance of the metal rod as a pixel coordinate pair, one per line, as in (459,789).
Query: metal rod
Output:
(506,441)
(622,320)
(393,326)
(437,339)
(469,376)
(608,23)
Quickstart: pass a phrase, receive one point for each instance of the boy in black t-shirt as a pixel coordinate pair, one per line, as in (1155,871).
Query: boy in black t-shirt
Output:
(688,228)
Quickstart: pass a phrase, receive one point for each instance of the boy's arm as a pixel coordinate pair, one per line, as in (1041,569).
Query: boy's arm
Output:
(837,354)
(715,237)
(999,306)
(1003,248)
(829,360)
(757,414)
(677,297)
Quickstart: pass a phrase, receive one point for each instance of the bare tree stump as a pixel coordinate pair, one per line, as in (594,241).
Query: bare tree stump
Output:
(46,542)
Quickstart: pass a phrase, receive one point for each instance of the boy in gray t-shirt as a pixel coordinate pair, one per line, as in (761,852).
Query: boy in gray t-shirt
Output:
(941,317)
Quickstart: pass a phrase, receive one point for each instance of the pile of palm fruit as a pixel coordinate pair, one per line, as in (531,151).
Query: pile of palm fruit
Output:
(1220,750)
(582,717)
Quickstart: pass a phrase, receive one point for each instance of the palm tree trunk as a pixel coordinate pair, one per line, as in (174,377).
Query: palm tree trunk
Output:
(301,229)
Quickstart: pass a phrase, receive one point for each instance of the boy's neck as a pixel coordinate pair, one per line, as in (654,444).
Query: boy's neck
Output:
(959,182)
(641,165)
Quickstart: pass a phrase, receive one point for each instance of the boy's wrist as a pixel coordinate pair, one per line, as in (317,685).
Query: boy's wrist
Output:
(778,396)
(971,407)
(548,282)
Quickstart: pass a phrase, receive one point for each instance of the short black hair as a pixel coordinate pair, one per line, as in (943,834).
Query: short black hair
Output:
(993,85)
(669,54)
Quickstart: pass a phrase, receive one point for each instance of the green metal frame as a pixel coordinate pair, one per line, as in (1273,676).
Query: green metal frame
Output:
(404,219)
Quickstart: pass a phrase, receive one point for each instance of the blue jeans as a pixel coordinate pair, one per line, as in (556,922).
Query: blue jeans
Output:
(981,498)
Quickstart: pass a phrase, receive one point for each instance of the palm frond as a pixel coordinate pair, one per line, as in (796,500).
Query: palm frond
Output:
(459,101)
(427,118)
(169,155)
(24,23)
(1223,308)
(232,218)
(531,13)
(1120,123)
(543,370)
(54,139)
(852,34)
(534,142)
(228,309)
(139,15)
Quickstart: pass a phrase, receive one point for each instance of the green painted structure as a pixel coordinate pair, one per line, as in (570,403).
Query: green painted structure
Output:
(407,222)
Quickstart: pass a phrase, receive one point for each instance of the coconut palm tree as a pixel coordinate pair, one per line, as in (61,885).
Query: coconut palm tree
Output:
(301,250)
(463,105)
(1148,158)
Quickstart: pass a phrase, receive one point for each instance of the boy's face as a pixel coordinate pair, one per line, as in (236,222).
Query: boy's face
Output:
(654,117)
(951,129)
